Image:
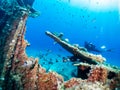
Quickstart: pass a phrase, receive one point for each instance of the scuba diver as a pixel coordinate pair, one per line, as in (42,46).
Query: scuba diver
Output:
(91,47)
(28,4)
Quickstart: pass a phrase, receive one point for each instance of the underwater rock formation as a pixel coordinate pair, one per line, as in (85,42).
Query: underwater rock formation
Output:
(20,72)
(100,77)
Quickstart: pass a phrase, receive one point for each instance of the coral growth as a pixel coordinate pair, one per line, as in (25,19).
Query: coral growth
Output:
(85,85)
(29,78)
(49,81)
(72,83)
(98,74)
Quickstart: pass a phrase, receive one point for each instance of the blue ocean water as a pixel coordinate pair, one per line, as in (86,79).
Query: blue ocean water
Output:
(79,24)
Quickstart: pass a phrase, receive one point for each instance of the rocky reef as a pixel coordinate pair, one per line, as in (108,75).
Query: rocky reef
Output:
(20,72)
(93,72)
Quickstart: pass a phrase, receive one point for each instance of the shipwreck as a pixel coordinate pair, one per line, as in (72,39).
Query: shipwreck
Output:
(20,72)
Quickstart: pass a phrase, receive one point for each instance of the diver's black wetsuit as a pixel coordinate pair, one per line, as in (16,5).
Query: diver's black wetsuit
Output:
(91,47)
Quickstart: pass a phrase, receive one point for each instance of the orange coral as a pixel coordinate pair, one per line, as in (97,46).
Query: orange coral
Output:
(30,78)
(50,81)
(98,74)
(71,83)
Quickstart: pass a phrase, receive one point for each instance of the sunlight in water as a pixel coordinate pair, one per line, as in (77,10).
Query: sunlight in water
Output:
(119,9)
(96,5)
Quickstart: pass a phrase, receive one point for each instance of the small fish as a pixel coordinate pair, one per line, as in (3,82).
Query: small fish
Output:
(56,60)
(93,20)
(50,62)
(59,55)
(69,1)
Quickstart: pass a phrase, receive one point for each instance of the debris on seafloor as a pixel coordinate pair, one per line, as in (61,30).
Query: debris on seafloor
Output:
(20,72)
